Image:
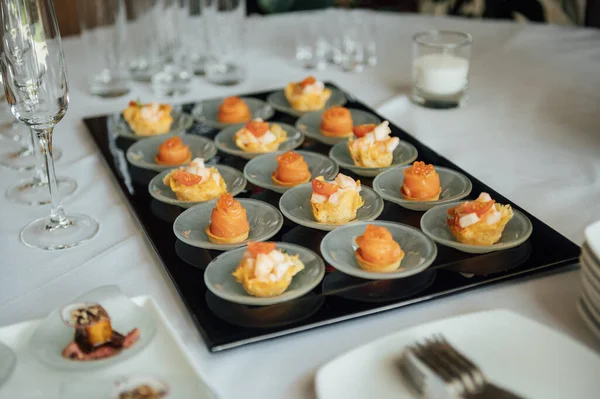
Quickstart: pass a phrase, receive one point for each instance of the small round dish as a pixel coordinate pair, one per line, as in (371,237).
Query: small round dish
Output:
(160,191)
(220,281)
(404,154)
(181,123)
(310,124)
(224,141)
(455,186)
(142,153)
(278,101)
(206,111)
(258,170)
(128,384)
(295,205)
(8,362)
(434,224)
(265,221)
(338,248)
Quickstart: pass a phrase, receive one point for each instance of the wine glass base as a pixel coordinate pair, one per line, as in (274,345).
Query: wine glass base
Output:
(21,159)
(45,234)
(33,192)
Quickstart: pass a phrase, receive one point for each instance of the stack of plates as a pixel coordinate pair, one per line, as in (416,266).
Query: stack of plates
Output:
(589,302)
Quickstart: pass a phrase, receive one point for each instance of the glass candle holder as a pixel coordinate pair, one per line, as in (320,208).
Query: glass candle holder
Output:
(440,68)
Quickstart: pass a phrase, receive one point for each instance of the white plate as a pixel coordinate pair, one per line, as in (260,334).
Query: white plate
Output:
(592,237)
(519,354)
(8,361)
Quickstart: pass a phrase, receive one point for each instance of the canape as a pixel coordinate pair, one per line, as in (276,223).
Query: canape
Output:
(479,222)
(291,170)
(173,152)
(259,136)
(335,202)
(421,183)
(377,251)
(265,271)
(196,182)
(234,110)
(336,122)
(307,95)
(373,146)
(148,119)
(228,222)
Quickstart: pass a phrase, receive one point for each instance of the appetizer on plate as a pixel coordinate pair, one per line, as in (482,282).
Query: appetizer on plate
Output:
(173,152)
(373,146)
(335,202)
(308,95)
(259,136)
(377,251)
(196,182)
(94,337)
(148,119)
(291,170)
(336,122)
(234,110)
(142,392)
(228,222)
(479,222)
(265,271)
(421,183)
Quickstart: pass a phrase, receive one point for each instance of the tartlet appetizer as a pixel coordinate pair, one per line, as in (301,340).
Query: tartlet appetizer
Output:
(148,119)
(335,202)
(291,170)
(259,136)
(228,222)
(336,122)
(196,182)
(308,95)
(173,152)
(265,271)
(479,222)
(373,146)
(234,110)
(94,337)
(377,251)
(421,183)
(143,391)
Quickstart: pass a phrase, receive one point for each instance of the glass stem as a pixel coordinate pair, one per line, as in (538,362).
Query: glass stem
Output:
(39,173)
(57,214)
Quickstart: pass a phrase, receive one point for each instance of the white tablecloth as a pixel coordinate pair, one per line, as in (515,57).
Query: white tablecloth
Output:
(530,131)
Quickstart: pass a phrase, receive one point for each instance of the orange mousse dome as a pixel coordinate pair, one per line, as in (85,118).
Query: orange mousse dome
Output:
(228,218)
(234,110)
(336,122)
(421,182)
(173,152)
(291,169)
(377,246)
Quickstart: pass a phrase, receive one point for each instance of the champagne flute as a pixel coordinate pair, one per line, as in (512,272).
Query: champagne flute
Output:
(35,81)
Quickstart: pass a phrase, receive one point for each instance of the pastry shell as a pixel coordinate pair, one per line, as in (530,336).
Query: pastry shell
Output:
(482,233)
(202,191)
(260,148)
(265,289)
(306,101)
(226,240)
(345,211)
(376,268)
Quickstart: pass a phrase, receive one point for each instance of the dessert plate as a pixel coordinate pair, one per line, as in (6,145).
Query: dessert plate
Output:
(455,186)
(142,153)
(224,141)
(181,123)
(295,205)
(338,248)
(160,191)
(8,361)
(52,336)
(434,224)
(278,101)
(206,111)
(310,124)
(404,154)
(220,281)
(258,170)
(190,227)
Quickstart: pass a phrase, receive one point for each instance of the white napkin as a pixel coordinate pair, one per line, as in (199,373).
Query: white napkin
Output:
(394,109)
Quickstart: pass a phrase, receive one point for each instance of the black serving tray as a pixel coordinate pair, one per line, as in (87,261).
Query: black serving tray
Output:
(339,297)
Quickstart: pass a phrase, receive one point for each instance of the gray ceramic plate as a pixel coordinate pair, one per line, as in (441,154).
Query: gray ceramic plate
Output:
(224,141)
(181,123)
(8,361)
(278,101)
(258,171)
(51,336)
(404,154)
(265,221)
(219,280)
(310,124)
(295,205)
(142,153)
(206,111)
(338,248)
(455,186)
(233,178)
(434,224)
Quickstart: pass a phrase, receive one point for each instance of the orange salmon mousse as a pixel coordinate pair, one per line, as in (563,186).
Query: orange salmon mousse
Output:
(421,183)
(173,152)
(377,251)
(336,122)
(291,170)
(228,222)
(234,110)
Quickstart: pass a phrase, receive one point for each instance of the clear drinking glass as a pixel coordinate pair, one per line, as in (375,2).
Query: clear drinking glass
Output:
(224,24)
(311,42)
(440,68)
(35,79)
(144,58)
(193,37)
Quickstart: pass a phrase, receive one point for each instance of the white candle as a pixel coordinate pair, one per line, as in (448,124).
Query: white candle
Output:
(441,74)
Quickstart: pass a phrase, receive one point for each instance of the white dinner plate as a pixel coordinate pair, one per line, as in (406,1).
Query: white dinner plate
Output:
(516,353)
(592,237)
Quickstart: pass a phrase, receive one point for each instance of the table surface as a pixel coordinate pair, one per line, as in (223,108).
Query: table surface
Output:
(529,131)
